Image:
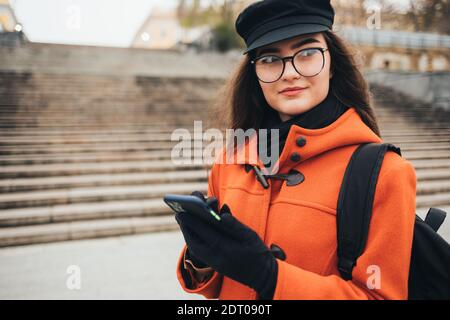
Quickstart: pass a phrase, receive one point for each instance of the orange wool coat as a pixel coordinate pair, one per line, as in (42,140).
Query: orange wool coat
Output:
(301,219)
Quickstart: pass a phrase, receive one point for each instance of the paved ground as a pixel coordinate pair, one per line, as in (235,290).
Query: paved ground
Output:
(131,267)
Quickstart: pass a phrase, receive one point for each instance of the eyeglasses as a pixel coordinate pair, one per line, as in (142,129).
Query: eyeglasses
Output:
(307,62)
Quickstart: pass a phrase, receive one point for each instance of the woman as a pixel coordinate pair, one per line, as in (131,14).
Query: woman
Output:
(278,237)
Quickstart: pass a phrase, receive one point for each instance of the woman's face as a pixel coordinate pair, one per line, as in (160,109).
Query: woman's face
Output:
(312,90)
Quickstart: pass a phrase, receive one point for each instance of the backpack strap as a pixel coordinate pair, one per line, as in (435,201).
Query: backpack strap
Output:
(435,217)
(354,208)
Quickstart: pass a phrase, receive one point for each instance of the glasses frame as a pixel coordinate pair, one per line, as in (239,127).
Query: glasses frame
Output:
(322,50)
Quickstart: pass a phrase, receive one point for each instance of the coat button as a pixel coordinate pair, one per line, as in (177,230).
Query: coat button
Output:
(277,252)
(295,157)
(301,141)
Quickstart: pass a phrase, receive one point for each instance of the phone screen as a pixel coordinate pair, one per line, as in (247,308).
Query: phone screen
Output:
(193,205)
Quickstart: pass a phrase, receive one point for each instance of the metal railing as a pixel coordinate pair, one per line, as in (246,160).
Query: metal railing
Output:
(391,38)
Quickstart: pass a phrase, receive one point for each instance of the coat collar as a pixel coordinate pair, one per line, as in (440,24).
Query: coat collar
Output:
(348,129)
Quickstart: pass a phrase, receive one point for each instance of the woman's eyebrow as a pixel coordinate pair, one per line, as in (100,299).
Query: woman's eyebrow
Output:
(294,46)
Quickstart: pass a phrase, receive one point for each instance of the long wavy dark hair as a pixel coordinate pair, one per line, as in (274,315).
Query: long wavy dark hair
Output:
(244,106)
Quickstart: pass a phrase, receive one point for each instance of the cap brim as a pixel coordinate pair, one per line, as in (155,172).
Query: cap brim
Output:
(285,33)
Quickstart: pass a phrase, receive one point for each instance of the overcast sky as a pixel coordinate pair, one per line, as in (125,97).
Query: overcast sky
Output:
(89,22)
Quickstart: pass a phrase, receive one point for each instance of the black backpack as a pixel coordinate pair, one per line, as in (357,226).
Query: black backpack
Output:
(429,274)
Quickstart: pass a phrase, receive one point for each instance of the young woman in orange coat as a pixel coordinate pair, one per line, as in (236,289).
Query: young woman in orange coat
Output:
(278,239)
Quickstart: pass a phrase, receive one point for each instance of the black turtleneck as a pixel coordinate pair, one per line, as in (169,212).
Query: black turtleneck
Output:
(322,115)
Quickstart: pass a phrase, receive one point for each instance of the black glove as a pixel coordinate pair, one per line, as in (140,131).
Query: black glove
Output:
(233,250)
(213,204)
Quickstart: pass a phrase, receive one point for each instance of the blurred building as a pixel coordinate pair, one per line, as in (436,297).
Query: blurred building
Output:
(162,30)
(400,50)
(349,12)
(11,31)
(8,21)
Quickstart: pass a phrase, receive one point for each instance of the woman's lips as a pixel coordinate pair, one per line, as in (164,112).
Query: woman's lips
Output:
(292,92)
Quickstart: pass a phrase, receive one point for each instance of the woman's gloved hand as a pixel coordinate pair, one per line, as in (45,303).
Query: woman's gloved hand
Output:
(213,204)
(233,250)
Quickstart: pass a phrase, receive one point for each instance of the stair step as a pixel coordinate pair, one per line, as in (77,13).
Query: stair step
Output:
(160,143)
(149,148)
(432,174)
(418,140)
(433,187)
(431,164)
(93,140)
(78,195)
(413,155)
(51,170)
(83,211)
(45,183)
(153,150)
(64,158)
(85,230)
(90,126)
(76,132)
(158,129)
(388,134)
(433,200)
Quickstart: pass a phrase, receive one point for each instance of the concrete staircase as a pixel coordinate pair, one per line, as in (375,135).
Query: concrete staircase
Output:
(84,156)
(423,134)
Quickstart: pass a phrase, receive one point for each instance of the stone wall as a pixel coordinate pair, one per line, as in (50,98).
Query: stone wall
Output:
(432,88)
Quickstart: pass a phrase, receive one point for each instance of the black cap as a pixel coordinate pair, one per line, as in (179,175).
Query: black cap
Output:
(269,21)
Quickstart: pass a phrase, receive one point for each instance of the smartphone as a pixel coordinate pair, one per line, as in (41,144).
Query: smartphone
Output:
(192,205)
